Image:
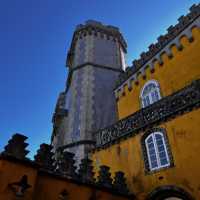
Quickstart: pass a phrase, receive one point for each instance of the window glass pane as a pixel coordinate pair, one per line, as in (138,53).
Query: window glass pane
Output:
(144,102)
(150,140)
(162,154)
(147,100)
(154,164)
(151,145)
(158,136)
(159,142)
(152,97)
(152,151)
(156,95)
(163,161)
(153,157)
(161,148)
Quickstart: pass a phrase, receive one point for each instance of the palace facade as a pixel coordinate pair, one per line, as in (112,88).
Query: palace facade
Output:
(118,132)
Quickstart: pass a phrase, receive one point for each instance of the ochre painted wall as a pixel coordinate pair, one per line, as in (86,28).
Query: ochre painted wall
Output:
(11,172)
(184,140)
(174,74)
(45,186)
(49,188)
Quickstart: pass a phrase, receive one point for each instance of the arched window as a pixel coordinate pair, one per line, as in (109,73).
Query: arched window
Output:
(150,93)
(169,192)
(157,152)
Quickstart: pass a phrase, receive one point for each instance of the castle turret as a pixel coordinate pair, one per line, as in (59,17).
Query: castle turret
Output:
(95,59)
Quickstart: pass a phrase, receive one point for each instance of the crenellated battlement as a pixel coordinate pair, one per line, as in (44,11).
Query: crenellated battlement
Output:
(156,51)
(183,101)
(98,30)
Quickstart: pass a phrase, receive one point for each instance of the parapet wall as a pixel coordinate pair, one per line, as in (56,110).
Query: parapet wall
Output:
(163,46)
(48,178)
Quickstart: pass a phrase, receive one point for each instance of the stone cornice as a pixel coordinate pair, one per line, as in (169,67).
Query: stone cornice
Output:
(96,65)
(147,59)
(81,142)
(168,107)
(71,70)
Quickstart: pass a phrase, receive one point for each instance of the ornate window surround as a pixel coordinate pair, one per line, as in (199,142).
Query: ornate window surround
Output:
(157,86)
(145,153)
(179,103)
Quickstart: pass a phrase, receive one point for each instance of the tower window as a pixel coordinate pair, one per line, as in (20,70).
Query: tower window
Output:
(150,93)
(156,150)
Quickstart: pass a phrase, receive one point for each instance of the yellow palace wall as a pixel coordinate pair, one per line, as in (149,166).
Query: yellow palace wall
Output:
(45,185)
(173,75)
(182,131)
(183,135)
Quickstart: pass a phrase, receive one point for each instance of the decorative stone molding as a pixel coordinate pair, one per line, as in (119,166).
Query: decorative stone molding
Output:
(166,108)
(65,164)
(85,171)
(64,195)
(164,44)
(44,157)
(20,187)
(119,183)
(16,146)
(104,178)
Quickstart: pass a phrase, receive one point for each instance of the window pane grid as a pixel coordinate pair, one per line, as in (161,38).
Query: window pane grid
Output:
(150,93)
(156,150)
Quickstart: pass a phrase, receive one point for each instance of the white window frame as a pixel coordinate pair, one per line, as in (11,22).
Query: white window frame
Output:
(156,151)
(144,87)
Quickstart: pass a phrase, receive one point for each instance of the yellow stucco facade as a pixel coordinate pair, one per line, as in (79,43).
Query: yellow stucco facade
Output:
(183,135)
(45,185)
(174,74)
(182,131)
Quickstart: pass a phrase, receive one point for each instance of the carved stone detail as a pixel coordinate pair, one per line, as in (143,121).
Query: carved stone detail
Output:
(85,172)
(119,183)
(16,146)
(104,178)
(178,103)
(44,156)
(65,164)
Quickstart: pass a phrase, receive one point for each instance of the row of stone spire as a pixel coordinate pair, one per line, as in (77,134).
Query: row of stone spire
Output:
(65,165)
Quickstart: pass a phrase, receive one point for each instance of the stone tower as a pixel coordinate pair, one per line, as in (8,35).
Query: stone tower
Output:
(94,61)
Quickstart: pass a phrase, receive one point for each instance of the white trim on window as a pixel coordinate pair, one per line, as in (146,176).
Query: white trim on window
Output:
(152,96)
(154,154)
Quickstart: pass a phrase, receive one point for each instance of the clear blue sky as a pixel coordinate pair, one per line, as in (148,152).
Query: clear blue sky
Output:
(34,38)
